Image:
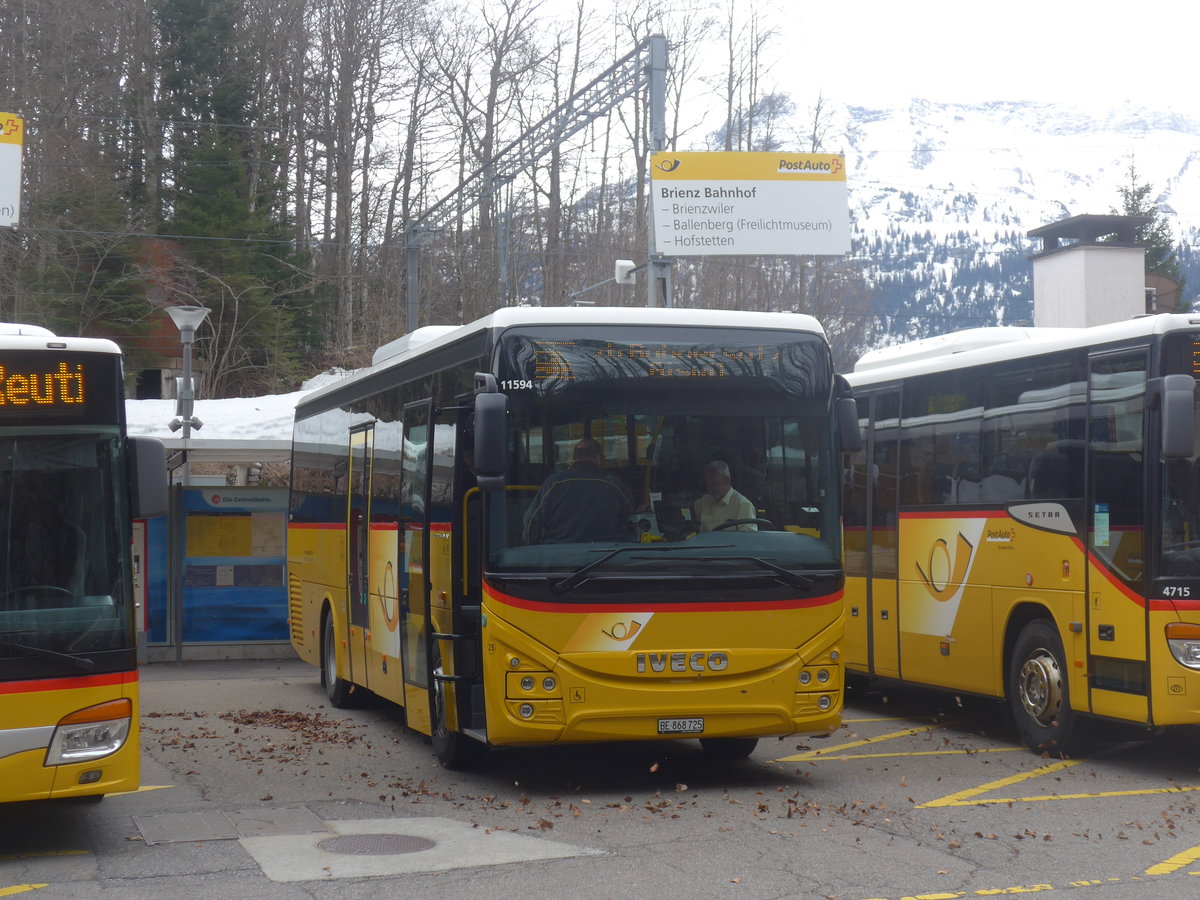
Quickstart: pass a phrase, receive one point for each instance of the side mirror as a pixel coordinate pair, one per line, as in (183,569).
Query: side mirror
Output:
(491,440)
(147,477)
(1178,416)
(848,433)
(845,416)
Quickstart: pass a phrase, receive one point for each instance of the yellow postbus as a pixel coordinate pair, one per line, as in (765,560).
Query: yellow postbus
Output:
(70,482)
(1023,522)
(414,572)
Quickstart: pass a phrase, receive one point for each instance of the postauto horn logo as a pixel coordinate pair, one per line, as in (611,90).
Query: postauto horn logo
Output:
(943,574)
(668,165)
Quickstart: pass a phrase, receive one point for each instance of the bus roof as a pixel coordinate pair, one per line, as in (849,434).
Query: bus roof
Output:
(976,346)
(429,338)
(18,336)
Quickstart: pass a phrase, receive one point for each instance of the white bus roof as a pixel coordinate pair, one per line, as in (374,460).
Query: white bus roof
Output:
(976,346)
(17,336)
(431,337)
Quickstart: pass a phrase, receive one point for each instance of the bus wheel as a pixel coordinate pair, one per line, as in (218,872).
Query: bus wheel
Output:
(453,749)
(728,748)
(1038,692)
(336,690)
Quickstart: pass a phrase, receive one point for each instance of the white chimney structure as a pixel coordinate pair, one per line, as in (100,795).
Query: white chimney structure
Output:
(1090,271)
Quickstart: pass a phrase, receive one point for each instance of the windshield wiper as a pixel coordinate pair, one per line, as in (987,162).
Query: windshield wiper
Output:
(79,662)
(580,576)
(787,576)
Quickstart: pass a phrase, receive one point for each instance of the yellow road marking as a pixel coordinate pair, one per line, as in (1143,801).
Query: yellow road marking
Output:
(36,853)
(971,796)
(963,798)
(850,745)
(20,889)
(143,788)
(1026,888)
(1175,863)
(896,755)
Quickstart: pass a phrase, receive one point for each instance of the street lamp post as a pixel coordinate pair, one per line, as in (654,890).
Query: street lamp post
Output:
(187,319)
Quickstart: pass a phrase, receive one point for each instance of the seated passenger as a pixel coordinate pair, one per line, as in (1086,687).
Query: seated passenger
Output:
(582,503)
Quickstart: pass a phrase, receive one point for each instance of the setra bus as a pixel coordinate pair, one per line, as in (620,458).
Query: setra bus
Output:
(413,572)
(70,483)
(1023,522)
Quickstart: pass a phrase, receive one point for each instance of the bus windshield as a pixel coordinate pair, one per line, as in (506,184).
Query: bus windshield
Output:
(1180,501)
(62,564)
(665,457)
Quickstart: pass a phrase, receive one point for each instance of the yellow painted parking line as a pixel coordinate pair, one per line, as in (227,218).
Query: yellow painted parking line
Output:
(846,721)
(20,889)
(964,798)
(1017,889)
(971,796)
(142,789)
(1175,863)
(32,854)
(845,757)
(839,748)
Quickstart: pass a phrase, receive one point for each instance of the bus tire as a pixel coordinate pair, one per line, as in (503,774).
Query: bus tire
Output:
(1038,693)
(337,691)
(453,749)
(728,749)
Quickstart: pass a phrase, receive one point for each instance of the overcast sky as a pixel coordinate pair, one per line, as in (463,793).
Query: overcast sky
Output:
(866,52)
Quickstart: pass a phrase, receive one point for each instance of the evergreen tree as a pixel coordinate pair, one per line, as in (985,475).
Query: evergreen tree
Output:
(1162,254)
(236,258)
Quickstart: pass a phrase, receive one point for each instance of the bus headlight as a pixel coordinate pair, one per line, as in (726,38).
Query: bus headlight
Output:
(1184,640)
(90,733)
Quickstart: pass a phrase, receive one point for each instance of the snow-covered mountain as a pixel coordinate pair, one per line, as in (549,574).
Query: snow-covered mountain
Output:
(942,196)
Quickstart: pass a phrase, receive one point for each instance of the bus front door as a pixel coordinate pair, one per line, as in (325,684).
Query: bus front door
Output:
(883,607)
(413,527)
(358,524)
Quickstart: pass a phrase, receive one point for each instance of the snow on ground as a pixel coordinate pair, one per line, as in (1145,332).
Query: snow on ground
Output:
(267,418)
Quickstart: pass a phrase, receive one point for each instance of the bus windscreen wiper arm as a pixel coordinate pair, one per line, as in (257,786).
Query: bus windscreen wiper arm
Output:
(79,662)
(579,577)
(787,576)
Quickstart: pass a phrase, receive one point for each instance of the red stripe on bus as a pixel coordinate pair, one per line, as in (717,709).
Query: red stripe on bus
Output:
(694,606)
(68,684)
(958,514)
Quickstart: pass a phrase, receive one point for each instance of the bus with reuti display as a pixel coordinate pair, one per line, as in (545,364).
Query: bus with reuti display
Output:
(71,481)
(1023,522)
(414,573)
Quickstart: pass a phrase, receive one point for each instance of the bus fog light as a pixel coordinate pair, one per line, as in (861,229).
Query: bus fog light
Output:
(824,702)
(525,710)
(527,683)
(805,676)
(823,676)
(549,684)
(91,776)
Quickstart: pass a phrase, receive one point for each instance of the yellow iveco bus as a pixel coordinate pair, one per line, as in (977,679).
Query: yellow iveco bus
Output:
(70,482)
(1023,522)
(413,572)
